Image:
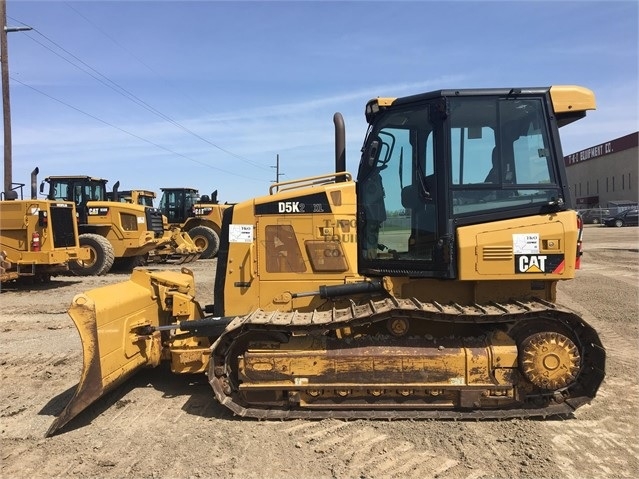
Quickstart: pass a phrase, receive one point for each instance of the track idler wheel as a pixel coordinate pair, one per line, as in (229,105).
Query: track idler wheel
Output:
(549,360)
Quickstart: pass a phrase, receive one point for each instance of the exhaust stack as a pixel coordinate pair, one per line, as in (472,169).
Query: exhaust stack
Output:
(34,183)
(340,145)
(115,191)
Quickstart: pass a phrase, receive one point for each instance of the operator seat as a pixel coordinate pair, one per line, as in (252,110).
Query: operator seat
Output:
(493,174)
(423,218)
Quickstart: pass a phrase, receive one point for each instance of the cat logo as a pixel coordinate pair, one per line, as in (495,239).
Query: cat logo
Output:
(539,263)
(531,263)
(202,211)
(101,211)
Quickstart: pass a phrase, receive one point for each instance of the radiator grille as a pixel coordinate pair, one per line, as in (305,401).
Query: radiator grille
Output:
(62,225)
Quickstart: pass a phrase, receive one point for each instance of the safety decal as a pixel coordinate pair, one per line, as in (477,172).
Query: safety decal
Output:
(539,263)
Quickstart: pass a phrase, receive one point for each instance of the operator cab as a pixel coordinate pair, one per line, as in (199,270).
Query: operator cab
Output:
(433,162)
(177,204)
(75,188)
(79,189)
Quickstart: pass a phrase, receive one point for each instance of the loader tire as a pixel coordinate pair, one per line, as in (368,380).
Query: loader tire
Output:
(101,260)
(206,239)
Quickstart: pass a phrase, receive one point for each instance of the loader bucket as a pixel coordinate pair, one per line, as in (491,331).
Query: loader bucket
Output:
(111,321)
(187,258)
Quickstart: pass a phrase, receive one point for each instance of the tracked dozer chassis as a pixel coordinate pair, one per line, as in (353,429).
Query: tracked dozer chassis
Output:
(387,359)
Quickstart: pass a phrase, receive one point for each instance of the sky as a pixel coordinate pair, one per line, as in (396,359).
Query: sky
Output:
(209,94)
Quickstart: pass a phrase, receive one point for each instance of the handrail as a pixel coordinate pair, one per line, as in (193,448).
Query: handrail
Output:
(309,181)
(14,187)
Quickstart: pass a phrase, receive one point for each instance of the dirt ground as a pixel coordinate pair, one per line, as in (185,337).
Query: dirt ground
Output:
(163,426)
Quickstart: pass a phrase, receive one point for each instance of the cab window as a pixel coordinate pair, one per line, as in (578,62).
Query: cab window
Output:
(500,155)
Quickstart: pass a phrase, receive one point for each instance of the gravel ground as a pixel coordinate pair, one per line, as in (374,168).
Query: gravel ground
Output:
(159,425)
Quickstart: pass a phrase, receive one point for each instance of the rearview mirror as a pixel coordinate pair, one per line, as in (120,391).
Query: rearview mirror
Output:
(373,151)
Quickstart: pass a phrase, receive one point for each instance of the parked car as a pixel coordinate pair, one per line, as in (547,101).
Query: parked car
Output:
(625,218)
(594,216)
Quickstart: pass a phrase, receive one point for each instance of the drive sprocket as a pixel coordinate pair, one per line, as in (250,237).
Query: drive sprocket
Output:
(549,360)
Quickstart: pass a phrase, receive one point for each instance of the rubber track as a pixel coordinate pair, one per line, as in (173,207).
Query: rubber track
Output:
(581,392)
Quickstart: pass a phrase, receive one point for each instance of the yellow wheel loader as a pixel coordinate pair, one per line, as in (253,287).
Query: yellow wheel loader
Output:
(38,238)
(115,233)
(425,288)
(175,245)
(199,216)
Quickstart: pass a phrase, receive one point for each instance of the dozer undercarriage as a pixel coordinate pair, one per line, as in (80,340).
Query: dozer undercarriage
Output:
(397,358)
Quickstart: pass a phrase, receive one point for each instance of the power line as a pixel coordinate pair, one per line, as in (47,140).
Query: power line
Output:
(133,55)
(106,34)
(129,133)
(127,94)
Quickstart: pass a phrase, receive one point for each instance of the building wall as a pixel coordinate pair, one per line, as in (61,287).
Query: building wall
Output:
(608,172)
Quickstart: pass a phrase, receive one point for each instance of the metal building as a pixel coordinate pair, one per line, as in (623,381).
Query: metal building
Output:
(605,175)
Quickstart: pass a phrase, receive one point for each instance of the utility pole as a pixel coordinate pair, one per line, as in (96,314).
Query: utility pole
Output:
(6,108)
(277,171)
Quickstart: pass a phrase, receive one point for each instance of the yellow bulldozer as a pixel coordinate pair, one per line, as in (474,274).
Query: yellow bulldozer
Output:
(423,288)
(175,245)
(38,238)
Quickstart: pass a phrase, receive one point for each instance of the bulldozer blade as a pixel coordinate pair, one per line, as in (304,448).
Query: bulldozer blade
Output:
(113,322)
